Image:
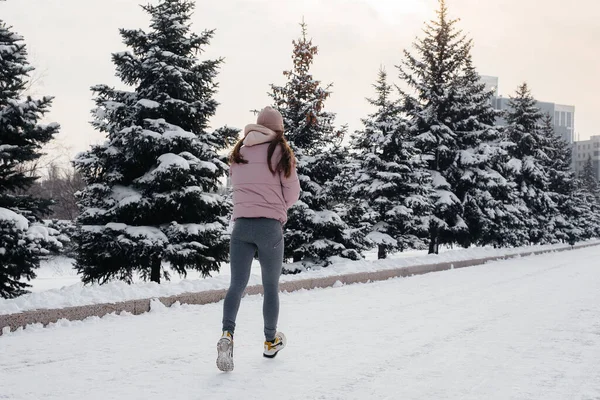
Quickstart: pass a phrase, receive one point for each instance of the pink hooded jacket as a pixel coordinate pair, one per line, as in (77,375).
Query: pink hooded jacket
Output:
(256,191)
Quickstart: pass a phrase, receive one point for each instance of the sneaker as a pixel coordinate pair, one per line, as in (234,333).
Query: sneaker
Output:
(274,347)
(225,352)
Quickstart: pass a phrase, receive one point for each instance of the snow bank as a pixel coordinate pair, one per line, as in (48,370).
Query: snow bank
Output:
(77,295)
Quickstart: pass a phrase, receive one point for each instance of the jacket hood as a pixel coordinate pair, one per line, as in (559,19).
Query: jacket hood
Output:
(257,134)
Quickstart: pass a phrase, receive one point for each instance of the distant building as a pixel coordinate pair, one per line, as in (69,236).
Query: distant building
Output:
(584,149)
(564,122)
(563,116)
(491,83)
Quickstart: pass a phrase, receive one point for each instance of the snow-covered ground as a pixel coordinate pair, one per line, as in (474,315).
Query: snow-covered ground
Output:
(526,328)
(58,272)
(58,285)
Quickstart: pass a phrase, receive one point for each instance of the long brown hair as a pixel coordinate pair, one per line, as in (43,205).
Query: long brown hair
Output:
(285,164)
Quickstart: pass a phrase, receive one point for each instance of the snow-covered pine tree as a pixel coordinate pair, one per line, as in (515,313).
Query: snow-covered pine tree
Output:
(152,186)
(562,185)
(490,205)
(590,180)
(389,182)
(528,161)
(22,238)
(315,232)
(588,190)
(434,78)
(585,215)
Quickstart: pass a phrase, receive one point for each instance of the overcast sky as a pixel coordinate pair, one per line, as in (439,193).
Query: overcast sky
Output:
(553,45)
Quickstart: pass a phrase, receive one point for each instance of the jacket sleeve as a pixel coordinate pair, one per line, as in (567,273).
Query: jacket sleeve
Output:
(290,187)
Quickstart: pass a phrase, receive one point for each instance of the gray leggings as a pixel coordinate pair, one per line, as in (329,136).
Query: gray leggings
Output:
(248,236)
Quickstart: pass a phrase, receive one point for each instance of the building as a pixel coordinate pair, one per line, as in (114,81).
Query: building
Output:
(564,122)
(491,83)
(584,149)
(563,116)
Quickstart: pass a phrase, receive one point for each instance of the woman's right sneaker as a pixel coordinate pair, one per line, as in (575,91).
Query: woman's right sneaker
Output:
(275,346)
(225,352)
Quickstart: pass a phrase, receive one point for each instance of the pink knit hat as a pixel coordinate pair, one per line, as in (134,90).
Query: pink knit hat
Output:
(270,118)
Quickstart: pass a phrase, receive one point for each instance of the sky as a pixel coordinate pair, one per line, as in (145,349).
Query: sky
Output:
(552,45)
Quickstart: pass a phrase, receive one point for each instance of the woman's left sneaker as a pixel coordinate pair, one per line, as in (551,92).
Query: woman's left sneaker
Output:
(225,352)
(275,346)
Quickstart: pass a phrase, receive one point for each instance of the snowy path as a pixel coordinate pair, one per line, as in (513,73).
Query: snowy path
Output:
(519,329)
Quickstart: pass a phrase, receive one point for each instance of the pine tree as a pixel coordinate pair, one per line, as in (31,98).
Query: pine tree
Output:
(585,215)
(562,185)
(477,176)
(315,232)
(22,238)
(152,186)
(590,180)
(389,183)
(451,122)
(528,160)
(589,193)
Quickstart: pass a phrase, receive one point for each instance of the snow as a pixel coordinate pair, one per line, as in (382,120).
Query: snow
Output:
(325,244)
(126,195)
(19,221)
(519,329)
(5,148)
(207,165)
(381,238)
(41,232)
(516,165)
(148,103)
(325,217)
(147,232)
(8,49)
(65,291)
(438,180)
(196,229)
(178,134)
(169,160)
(150,134)
(468,157)
(165,162)
(112,151)
(112,105)
(93,212)
(446,197)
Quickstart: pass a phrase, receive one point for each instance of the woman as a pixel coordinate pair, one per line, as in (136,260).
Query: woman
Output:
(265,186)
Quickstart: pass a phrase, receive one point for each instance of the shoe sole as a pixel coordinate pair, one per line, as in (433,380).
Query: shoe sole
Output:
(224,357)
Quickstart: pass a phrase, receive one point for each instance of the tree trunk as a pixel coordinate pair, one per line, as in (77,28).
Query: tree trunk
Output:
(433,241)
(381,254)
(155,270)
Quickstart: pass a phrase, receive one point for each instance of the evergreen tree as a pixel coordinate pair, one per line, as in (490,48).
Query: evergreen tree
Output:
(315,232)
(389,183)
(562,184)
(22,238)
(589,193)
(529,161)
(477,174)
(152,186)
(451,121)
(590,180)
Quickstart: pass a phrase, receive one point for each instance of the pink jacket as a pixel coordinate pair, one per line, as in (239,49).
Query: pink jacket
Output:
(256,191)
